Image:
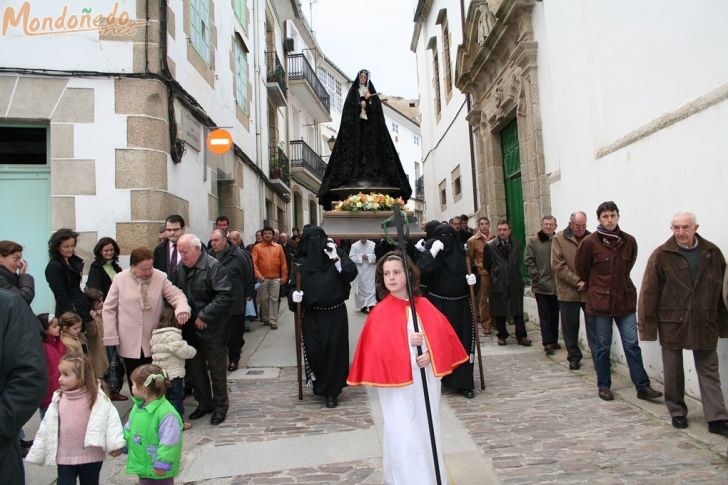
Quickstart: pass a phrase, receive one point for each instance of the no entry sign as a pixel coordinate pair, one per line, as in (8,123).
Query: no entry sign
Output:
(219,141)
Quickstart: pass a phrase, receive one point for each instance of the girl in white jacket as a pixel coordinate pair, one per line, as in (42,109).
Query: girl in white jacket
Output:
(169,351)
(80,426)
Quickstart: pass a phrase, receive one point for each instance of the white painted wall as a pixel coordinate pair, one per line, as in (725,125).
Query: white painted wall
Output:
(64,51)
(445,142)
(98,141)
(603,72)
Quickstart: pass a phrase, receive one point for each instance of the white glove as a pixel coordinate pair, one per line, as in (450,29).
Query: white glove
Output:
(437,246)
(470,278)
(420,246)
(330,250)
(297,296)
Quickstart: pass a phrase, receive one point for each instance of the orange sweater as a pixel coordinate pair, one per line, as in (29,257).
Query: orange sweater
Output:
(269,261)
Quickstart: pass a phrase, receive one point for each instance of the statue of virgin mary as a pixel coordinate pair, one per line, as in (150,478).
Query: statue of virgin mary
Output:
(364,158)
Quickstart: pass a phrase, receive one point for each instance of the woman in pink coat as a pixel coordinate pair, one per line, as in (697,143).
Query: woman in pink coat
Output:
(133,306)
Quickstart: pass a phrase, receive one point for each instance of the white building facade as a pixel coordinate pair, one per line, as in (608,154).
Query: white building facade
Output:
(449,179)
(602,104)
(105,111)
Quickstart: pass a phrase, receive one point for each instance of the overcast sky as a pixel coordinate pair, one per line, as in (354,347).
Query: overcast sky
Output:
(378,40)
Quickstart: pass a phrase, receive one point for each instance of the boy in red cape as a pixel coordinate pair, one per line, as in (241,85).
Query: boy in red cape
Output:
(386,358)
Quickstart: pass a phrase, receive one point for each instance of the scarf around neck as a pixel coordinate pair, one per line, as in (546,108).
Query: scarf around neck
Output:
(143,286)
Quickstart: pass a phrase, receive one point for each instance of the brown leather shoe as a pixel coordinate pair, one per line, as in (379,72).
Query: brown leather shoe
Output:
(501,341)
(524,341)
(648,393)
(273,326)
(606,394)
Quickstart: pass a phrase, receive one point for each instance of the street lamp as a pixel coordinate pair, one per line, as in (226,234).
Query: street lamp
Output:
(331,142)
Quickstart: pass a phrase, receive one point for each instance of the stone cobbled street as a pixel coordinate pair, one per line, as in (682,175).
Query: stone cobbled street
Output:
(536,422)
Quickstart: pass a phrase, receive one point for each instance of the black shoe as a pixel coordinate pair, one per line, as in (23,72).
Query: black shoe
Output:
(574,365)
(606,394)
(364,309)
(217,418)
(719,427)
(679,422)
(524,341)
(331,402)
(548,349)
(648,393)
(501,341)
(198,413)
(233,366)
(468,393)
(556,346)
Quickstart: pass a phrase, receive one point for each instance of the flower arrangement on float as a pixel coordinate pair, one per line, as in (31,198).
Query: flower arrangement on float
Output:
(370,202)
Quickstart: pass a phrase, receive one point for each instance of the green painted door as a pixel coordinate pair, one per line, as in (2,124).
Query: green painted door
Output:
(513,185)
(26,219)
(25,207)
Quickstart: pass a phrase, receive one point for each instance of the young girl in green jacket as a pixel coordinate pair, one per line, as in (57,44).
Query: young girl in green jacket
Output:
(154,431)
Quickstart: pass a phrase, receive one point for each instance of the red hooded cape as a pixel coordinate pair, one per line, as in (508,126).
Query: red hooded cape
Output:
(382,355)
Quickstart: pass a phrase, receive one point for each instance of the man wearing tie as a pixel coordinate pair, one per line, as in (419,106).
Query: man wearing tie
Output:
(166,257)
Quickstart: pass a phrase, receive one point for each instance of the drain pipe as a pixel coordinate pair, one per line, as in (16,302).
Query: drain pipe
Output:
(470,128)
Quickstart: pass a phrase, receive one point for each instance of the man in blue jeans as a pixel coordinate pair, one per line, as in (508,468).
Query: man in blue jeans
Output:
(604,260)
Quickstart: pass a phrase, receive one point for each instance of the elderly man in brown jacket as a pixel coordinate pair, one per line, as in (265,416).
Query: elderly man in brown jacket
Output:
(570,288)
(681,300)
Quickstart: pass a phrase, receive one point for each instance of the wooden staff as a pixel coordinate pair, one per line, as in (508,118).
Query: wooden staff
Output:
(473,302)
(398,220)
(299,335)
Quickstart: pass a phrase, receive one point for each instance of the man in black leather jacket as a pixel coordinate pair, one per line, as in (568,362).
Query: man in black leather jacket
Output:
(207,286)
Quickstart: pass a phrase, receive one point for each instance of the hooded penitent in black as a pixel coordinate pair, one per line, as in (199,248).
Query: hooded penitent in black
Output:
(448,291)
(364,156)
(324,323)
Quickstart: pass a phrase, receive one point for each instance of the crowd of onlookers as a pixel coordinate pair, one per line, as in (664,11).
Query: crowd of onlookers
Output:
(174,321)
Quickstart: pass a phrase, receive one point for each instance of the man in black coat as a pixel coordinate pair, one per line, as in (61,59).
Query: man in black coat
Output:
(23,379)
(503,264)
(240,272)
(166,255)
(206,285)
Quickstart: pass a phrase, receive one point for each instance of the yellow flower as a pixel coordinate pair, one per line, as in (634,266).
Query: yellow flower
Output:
(358,204)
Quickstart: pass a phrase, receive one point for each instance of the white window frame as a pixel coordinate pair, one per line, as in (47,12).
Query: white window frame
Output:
(241,77)
(200,28)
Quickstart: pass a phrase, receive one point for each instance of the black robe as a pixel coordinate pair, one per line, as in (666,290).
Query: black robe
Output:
(325,323)
(448,291)
(364,155)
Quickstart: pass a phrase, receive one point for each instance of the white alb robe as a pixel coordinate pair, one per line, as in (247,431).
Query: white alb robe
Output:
(364,289)
(407,452)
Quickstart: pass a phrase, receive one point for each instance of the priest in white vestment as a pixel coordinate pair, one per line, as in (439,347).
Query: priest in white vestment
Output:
(362,253)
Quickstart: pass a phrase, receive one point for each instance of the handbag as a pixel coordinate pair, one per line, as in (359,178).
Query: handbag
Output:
(250,313)
(115,373)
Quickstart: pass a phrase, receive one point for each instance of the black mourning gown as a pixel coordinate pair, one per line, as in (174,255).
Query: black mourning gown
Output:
(448,291)
(364,156)
(324,323)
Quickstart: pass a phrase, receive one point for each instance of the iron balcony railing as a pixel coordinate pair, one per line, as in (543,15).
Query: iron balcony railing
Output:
(299,68)
(304,156)
(274,70)
(420,186)
(279,165)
